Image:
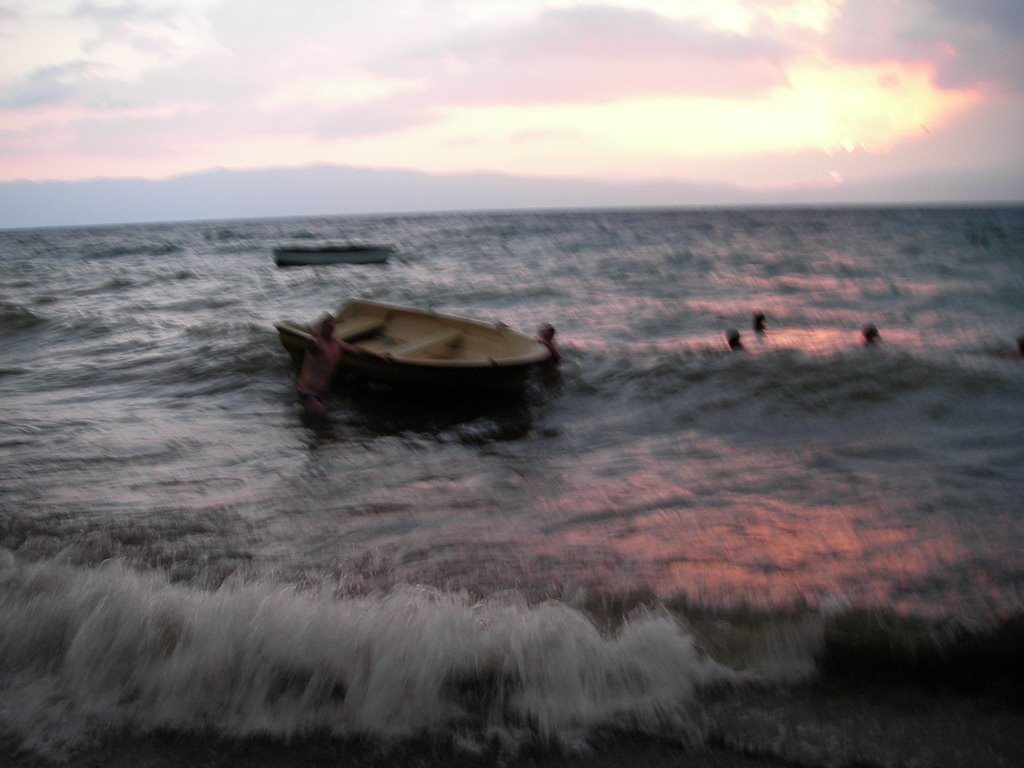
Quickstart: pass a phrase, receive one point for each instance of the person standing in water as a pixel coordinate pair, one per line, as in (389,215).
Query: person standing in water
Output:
(320,364)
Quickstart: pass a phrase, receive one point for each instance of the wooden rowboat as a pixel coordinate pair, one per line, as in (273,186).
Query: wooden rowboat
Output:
(423,348)
(319,255)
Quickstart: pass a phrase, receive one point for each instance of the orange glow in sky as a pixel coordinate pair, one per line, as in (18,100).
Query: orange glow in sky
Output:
(636,89)
(822,108)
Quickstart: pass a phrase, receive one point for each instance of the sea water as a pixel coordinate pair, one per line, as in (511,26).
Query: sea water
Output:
(806,552)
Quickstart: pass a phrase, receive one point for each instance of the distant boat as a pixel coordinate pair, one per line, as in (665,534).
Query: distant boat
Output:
(329,253)
(424,349)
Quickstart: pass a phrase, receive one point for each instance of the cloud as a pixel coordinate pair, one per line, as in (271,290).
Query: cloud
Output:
(94,55)
(136,37)
(608,34)
(244,58)
(986,42)
(1002,15)
(967,44)
(616,86)
(588,55)
(556,58)
(48,85)
(370,119)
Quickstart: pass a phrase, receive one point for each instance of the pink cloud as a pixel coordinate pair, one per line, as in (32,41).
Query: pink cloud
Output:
(592,54)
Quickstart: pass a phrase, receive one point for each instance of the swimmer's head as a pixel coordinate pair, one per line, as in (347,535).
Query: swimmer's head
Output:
(733,337)
(326,326)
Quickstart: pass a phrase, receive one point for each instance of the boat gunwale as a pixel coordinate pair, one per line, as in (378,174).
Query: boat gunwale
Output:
(529,357)
(334,248)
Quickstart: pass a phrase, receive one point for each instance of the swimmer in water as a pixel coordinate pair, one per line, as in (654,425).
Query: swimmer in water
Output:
(546,336)
(733,337)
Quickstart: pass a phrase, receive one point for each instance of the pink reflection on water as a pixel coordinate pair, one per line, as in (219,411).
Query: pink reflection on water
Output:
(741,547)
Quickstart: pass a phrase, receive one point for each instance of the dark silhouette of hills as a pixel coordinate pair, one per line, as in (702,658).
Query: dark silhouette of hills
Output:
(340,190)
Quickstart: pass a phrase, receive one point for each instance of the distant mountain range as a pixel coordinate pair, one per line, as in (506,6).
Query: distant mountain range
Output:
(341,190)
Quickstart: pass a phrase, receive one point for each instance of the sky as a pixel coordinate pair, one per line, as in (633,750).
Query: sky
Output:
(760,94)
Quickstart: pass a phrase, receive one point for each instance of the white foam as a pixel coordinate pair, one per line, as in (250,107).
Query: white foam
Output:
(89,650)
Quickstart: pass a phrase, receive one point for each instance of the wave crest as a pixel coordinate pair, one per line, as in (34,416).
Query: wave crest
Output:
(112,649)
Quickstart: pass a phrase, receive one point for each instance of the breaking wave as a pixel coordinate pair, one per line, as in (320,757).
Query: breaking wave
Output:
(88,652)
(119,649)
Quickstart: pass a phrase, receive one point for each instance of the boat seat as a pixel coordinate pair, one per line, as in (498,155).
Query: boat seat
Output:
(417,346)
(347,330)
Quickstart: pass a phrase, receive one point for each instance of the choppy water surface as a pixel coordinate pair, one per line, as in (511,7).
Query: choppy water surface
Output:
(808,551)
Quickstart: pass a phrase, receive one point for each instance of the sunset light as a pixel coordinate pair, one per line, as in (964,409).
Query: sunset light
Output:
(585,383)
(750,94)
